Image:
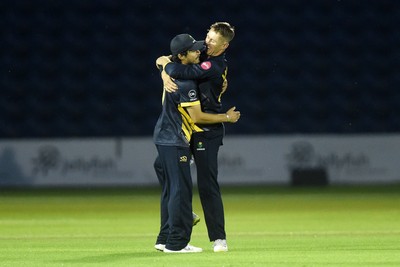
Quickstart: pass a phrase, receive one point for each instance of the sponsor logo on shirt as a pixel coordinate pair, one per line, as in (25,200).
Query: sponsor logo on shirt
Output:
(205,65)
(192,94)
(199,146)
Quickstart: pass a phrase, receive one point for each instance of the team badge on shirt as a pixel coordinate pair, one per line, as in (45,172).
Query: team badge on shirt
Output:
(205,65)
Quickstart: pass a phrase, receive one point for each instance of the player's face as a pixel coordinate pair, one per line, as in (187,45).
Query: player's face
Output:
(216,44)
(193,57)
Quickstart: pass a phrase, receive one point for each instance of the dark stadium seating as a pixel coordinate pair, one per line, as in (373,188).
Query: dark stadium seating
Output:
(86,68)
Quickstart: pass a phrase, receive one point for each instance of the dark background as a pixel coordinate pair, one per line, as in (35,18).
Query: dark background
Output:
(86,68)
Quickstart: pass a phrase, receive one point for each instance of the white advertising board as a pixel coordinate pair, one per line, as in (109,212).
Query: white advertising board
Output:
(346,159)
(358,159)
(75,162)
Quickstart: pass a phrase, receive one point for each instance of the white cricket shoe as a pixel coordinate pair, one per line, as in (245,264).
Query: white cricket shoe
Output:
(220,245)
(159,247)
(187,249)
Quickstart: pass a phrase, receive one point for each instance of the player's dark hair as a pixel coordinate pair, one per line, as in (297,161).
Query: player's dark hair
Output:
(225,29)
(176,58)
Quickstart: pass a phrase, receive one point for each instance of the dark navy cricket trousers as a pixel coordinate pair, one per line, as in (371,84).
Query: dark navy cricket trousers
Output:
(205,147)
(173,172)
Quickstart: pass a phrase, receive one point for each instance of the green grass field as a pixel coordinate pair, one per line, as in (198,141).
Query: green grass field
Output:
(271,226)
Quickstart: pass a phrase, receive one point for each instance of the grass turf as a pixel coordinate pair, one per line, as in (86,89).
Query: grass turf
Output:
(266,226)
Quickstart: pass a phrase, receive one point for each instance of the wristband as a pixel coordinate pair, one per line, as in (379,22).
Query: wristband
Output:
(227,117)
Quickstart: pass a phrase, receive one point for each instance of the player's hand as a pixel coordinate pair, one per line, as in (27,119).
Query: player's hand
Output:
(168,82)
(233,115)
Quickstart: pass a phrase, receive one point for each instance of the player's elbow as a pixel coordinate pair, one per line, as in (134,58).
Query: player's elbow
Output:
(195,119)
(169,69)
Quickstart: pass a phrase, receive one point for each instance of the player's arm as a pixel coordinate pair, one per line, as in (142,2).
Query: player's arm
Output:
(198,116)
(168,82)
(191,71)
(172,70)
(162,61)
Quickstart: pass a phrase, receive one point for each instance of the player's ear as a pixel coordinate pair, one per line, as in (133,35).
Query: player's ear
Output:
(226,44)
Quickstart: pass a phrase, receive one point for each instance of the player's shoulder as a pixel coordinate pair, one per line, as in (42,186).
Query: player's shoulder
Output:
(186,85)
(206,65)
(188,91)
(212,63)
